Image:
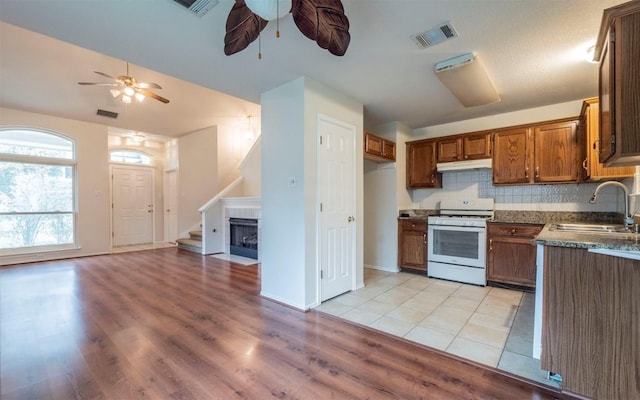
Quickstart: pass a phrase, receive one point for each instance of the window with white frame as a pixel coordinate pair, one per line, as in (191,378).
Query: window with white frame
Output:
(129,157)
(37,190)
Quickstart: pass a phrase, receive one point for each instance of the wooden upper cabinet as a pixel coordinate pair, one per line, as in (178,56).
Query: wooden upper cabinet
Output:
(619,86)
(539,153)
(475,147)
(589,129)
(464,147)
(421,165)
(510,156)
(379,149)
(449,149)
(555,148)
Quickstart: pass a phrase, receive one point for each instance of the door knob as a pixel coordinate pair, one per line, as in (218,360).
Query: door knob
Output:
(350,219)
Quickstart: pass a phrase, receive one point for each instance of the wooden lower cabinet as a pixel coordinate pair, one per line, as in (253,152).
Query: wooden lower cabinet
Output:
(412,244)
(511,256)
(591,322)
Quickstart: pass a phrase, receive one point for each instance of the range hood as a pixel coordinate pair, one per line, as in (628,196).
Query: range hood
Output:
(464,165)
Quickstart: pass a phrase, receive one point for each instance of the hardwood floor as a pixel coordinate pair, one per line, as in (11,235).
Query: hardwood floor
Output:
(168,324)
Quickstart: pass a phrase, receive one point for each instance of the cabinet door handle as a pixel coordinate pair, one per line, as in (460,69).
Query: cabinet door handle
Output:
(513,231)
(596,148)
(584,165)
(526,172)
(537,172)
(424,237)
(490,244)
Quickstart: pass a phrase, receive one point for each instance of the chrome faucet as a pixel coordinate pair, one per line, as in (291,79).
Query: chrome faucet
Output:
(628,219)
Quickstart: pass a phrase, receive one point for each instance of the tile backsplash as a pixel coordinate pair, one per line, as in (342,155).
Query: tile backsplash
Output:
(562,197)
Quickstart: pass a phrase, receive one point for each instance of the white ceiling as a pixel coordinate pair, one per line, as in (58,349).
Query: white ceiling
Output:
(532,49)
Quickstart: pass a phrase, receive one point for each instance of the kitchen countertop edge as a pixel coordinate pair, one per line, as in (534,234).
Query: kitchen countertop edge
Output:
(626,242)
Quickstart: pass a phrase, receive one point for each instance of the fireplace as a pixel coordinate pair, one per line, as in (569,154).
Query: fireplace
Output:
(243,237)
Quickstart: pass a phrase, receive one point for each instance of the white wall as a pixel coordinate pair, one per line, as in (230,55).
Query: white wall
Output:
(93,181)
(289,125)
(197,175)
(385,194)
(283,207)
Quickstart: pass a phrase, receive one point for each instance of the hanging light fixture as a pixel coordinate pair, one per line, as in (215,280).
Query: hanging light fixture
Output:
(138,137)
(269,9)
(249,133)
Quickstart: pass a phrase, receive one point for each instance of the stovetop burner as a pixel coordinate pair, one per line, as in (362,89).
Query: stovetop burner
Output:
(463,212)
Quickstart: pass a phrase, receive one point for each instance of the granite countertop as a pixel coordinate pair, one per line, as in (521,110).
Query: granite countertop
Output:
(547,217)
(417,213)
(612,241)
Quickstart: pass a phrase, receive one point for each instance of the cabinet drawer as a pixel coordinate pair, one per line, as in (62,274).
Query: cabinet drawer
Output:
(520,230)
(413,225)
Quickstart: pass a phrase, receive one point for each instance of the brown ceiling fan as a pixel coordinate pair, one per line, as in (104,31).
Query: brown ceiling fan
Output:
(323,21)
(128,88)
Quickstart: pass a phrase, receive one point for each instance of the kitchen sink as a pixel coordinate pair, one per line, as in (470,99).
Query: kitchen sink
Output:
(590,228)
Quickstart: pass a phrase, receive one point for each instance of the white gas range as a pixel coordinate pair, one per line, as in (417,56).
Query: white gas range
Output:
(457,240)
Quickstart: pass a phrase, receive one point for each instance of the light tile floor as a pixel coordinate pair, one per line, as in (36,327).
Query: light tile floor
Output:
(138,247)
(489,325)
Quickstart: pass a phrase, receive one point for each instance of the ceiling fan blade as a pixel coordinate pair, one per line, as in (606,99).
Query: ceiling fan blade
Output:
(323,21)
(97,83)
(243,27)
(103,74)
(152,95)
(144,85)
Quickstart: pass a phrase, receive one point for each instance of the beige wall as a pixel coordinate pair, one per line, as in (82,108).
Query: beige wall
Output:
(197,176)
(250,170)
(92,183)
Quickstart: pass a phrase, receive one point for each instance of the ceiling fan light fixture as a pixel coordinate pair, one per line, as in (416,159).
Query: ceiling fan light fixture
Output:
(126,99)
(115,92)
(129,91)
(138,137)
(139,96)
(269,9)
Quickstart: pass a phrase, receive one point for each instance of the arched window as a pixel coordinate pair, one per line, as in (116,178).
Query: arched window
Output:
(37,190)
(130,157)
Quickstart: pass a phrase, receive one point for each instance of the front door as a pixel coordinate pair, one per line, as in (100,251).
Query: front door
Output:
(132,206)
(336,196)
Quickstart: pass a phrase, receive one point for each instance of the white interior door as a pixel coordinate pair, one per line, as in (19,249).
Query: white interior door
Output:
(336,195)
(132,206)
(171,206)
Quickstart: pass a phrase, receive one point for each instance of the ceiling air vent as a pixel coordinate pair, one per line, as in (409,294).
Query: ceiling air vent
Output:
(109,114)
(434,36)
(198,7)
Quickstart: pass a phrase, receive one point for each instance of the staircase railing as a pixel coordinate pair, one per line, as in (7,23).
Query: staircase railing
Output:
(211,214)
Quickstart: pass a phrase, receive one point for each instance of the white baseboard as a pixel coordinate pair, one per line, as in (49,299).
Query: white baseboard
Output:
(284,302)
(387,269)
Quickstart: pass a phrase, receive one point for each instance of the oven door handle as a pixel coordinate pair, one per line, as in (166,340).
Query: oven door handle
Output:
(431,228)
